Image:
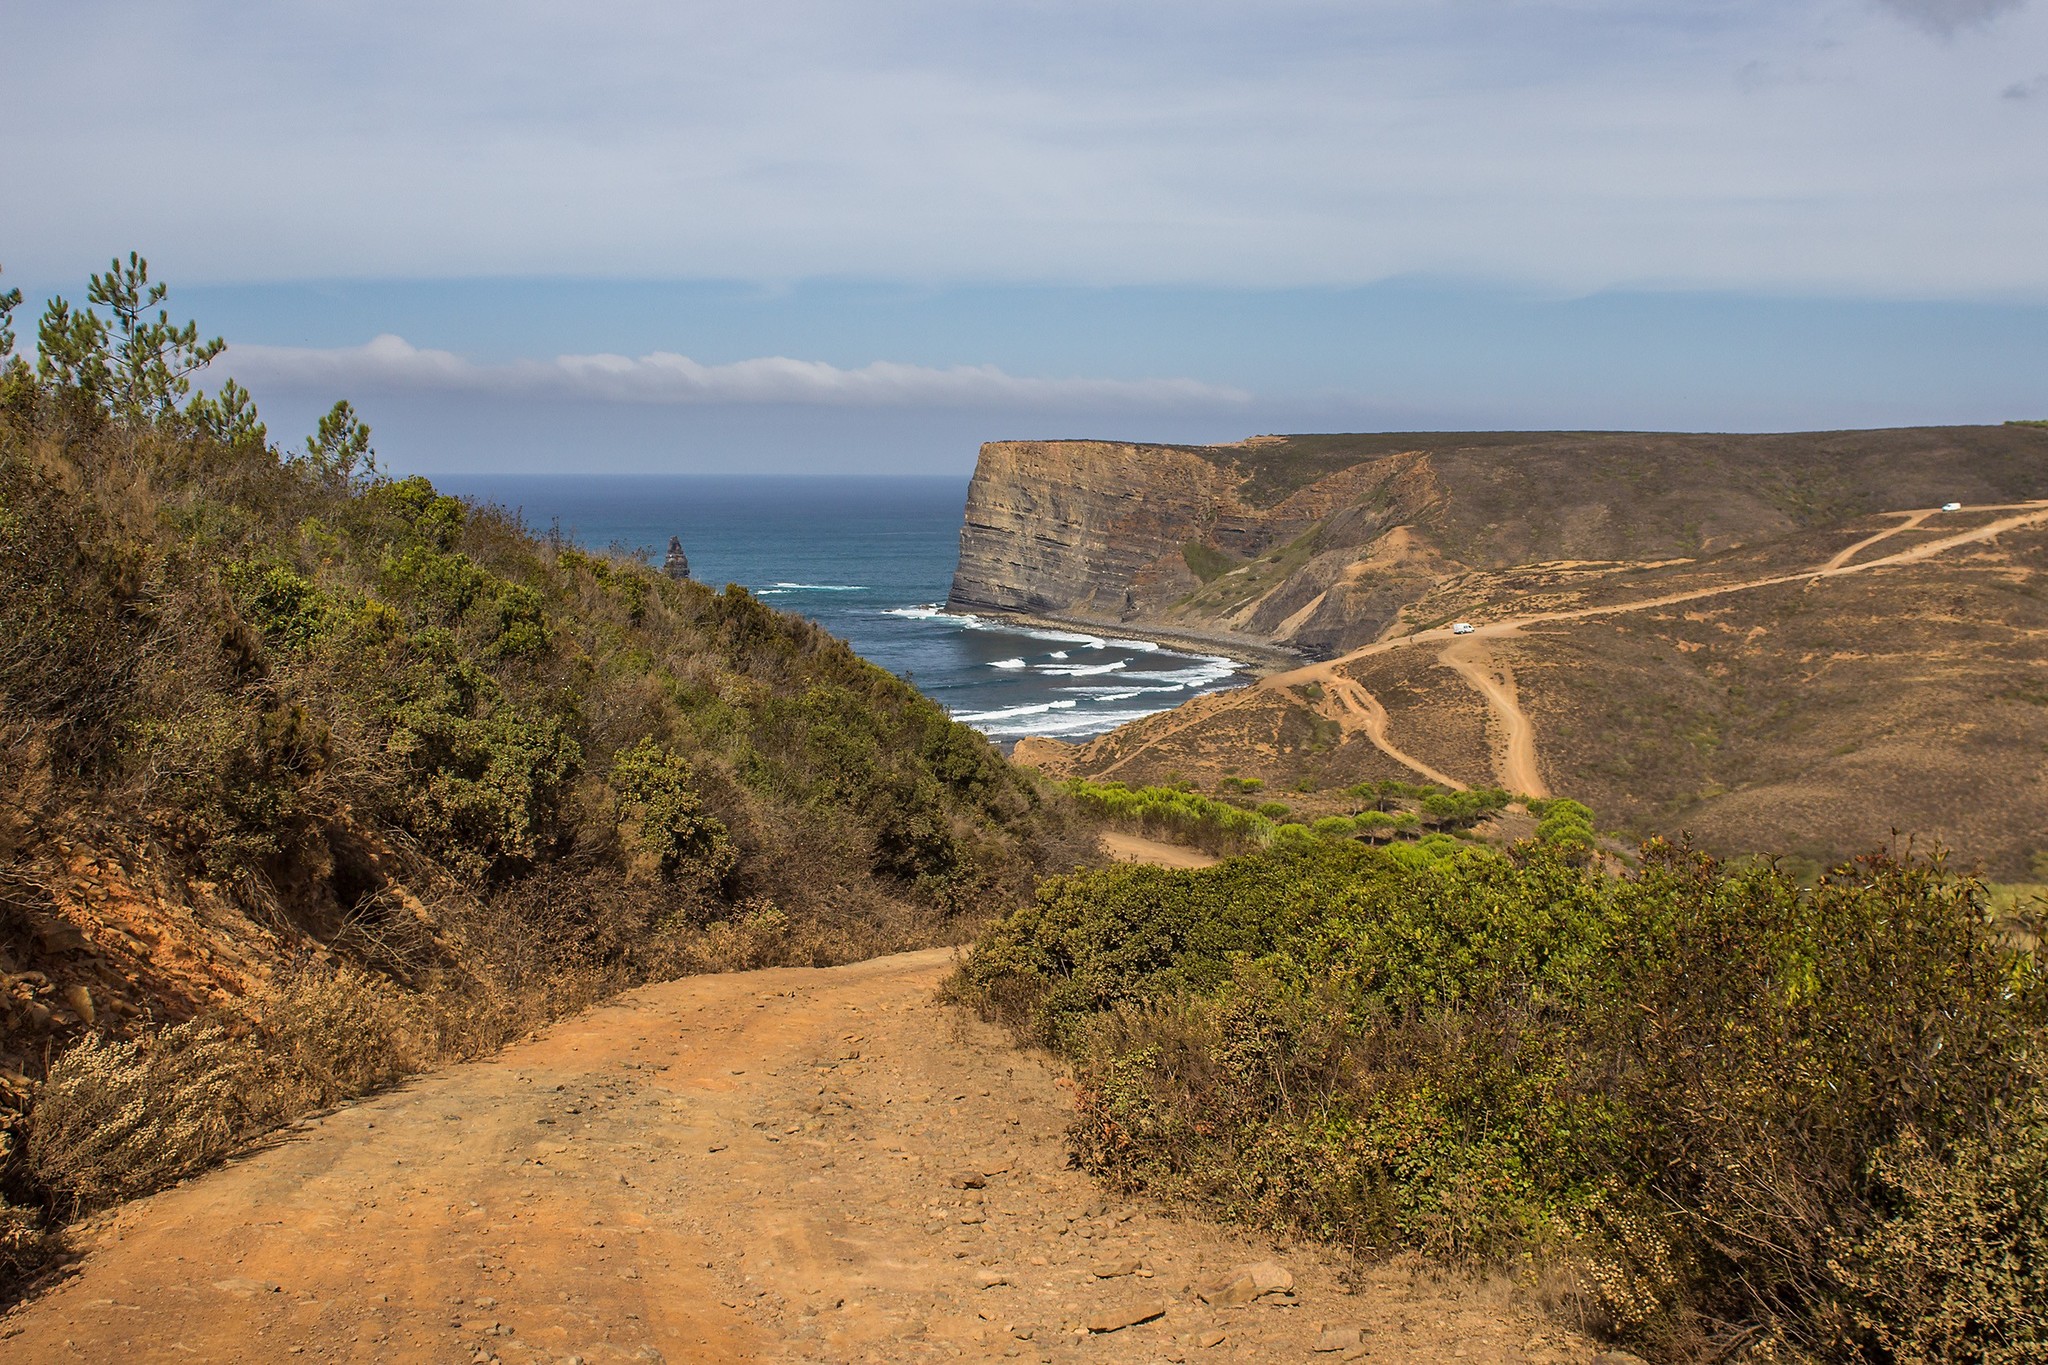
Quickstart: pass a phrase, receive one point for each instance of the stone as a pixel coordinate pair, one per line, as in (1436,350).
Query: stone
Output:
(676,564)
(1211,1339)
(968,1180)
(246,1287)
(1271,1278)
(1338,1339)
(1110,1270)
(1115,1319)
(989,1279)
(59,937)
(1234,1288)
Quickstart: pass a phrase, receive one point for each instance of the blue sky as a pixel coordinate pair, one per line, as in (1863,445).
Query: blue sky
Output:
(799,235)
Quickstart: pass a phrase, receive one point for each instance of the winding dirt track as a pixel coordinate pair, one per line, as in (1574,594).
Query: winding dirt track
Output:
(761,1166)
(1351,706)
(1515,765)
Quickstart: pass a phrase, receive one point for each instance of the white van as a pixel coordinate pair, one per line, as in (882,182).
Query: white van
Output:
(1951,507)
(1463,628)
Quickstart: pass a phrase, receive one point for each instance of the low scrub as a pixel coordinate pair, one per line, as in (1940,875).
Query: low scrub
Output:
(313,713)
(1736,1114)
(1178,814)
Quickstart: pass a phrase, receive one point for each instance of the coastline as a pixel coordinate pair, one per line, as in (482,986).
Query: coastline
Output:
(1259,658)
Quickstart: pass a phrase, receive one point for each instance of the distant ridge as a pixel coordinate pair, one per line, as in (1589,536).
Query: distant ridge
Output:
(1818,718)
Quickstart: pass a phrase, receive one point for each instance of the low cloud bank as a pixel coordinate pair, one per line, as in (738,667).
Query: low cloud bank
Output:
(392,362)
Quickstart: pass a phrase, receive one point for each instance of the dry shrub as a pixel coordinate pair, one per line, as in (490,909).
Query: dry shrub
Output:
(115,1119)
(759,936)
(330,1036)
(1960,1272)
(25,1245)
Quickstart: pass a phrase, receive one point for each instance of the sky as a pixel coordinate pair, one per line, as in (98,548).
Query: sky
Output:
(813,236)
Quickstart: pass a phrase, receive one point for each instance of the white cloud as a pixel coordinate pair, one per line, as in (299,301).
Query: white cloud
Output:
(1573,144)
(391,362)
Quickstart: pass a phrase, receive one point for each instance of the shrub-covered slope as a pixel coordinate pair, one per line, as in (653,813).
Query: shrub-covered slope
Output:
(277,723)
(1723,1113)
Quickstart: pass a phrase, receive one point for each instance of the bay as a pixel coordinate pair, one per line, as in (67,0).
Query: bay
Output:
(869,559)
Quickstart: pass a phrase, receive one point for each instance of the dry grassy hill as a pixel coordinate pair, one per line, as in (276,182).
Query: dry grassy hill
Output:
(1901,691)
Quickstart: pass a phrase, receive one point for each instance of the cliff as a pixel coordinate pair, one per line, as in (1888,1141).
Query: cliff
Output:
(1319,543)
(1762,642)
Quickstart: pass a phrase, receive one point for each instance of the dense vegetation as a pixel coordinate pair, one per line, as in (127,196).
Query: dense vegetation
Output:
(1386,811)
(1717,1111)
(452,777)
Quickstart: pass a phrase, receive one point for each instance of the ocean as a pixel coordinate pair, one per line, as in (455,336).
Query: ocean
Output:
(869,559)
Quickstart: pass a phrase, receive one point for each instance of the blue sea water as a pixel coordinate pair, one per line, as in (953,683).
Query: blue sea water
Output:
(869,559)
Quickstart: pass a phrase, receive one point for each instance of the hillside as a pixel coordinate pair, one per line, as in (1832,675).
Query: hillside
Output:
(1811,716)
(316,776)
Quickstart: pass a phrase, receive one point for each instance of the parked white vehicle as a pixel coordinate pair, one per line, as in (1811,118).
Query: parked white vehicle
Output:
(1951,507)
(1463,628)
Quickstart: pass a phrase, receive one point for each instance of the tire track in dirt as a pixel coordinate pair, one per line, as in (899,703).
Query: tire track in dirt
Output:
(1515,765)
(804,1165)
(1516,723)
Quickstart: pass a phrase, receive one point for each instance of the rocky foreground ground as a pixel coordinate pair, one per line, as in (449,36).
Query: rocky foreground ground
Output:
(787,1165)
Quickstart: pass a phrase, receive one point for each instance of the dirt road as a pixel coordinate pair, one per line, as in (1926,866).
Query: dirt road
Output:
(776,1166)
(1516,766)
(1123,847)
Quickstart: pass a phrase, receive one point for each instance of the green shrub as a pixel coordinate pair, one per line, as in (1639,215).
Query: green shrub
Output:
(1957,1269)
(492,779)
(1734,1106)
(671,824)
(1175,813)
(285,605)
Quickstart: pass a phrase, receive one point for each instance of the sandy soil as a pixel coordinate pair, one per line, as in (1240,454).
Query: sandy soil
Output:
(789,1165)
(1136,848)
(1516,764)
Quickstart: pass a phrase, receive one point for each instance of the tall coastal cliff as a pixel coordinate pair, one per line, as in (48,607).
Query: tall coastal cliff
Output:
(1765,642)
(1188,538)
(1318,544)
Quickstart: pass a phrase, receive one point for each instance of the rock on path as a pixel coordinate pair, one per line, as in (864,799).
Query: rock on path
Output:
(788,1165)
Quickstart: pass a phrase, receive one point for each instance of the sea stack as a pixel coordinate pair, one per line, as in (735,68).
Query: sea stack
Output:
(677,564)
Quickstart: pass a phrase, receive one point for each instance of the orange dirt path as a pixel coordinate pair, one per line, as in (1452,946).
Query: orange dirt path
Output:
(1136,848)
(759,1166)
(1517,768)
(1516,764)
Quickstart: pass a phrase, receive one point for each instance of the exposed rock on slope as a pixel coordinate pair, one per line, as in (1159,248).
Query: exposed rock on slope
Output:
(1320,542)
(1788,711)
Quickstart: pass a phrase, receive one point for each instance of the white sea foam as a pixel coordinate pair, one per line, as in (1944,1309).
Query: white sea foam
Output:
(1211,669)
(1008,663)
(1088,721)
(933,611)
(1012,712)
(1080,670)
(820,587)
(1059,654)
(1121,690)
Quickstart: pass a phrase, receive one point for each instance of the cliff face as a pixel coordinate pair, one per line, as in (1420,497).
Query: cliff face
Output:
(1318,543)
(1080,527)
(1178,537)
